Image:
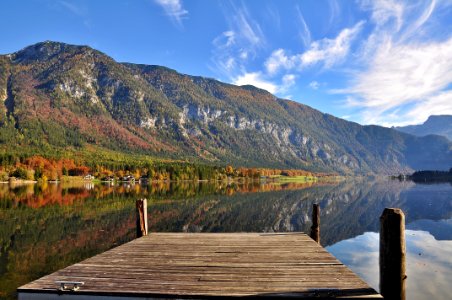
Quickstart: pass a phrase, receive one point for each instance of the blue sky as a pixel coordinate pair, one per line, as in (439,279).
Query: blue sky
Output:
(381,62)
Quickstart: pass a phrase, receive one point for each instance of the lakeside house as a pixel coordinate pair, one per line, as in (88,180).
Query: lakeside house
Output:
(89,177)
(128,178)
(109,179)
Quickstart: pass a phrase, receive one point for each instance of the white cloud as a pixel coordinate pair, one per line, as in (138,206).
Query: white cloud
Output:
(288,80)
(326,51)
(258,79)
(255,78)
(407,79)
(173,9)
(331,51)
(314,85)
(360,254)
(278,60)
(243,54)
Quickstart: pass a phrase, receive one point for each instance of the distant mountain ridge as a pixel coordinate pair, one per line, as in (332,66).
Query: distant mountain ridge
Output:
(59,96)
(439,125)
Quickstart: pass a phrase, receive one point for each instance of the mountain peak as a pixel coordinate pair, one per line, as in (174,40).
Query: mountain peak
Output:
(435,124)
(46,50)
(438,118)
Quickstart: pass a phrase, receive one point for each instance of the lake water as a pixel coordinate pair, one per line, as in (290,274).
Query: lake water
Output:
(45,228)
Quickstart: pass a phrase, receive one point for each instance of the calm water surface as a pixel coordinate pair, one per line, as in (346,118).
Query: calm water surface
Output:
(45,228)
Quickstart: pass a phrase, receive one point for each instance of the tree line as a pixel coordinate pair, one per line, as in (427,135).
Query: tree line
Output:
(41,168)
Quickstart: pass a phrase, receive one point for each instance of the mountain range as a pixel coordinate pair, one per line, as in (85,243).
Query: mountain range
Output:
(69,98)
(440,125)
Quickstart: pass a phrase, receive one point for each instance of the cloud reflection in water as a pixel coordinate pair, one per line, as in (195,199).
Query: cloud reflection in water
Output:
(429,262)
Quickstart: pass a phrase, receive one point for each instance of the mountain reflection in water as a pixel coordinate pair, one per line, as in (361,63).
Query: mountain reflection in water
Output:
(47,227)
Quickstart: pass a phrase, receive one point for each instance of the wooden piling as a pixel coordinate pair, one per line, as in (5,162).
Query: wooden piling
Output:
(315,228)
(142,217)
(392,254)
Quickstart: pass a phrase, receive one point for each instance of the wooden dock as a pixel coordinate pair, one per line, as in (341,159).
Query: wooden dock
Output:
(207,265)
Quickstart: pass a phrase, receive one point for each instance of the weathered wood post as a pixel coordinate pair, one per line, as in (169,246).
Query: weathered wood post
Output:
(392,254)
(315,228)
(142,217)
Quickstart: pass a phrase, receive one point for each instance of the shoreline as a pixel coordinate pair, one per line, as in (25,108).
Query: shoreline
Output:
(20,181)
(280,179)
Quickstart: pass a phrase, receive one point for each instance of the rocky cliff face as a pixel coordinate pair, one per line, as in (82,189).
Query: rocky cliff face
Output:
(439,125)
(59,95)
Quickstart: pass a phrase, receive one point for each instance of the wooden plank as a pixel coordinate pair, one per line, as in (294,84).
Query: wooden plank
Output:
(210,265)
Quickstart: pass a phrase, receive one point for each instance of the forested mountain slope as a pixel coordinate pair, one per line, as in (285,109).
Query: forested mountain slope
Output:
(60,96)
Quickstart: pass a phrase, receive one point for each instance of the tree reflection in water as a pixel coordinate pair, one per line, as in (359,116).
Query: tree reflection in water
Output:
(47,227)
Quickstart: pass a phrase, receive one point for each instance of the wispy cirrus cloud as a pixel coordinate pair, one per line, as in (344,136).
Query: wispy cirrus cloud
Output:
(223,58)
(77,10)
(407,73)
(248,30)
(174,10)
(437,104)
(304,33)
(384,11)
(273,16)
(238,44)
(335,11)
(404,73)
(427,11)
